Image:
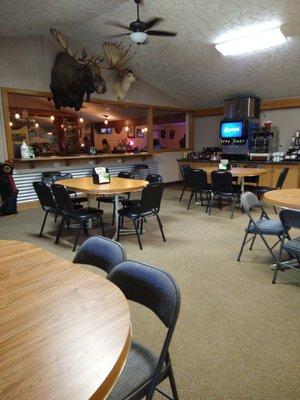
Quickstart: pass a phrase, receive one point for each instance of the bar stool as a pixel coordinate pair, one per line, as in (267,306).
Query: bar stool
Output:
(139,170)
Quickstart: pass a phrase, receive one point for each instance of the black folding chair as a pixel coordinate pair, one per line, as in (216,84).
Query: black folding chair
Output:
(68,212)
(151,178)
(290,219)
(148,207)
(200,185)
(222,187)
(144,370)
(46,200)
(100,252)
(186,177)
(262,227)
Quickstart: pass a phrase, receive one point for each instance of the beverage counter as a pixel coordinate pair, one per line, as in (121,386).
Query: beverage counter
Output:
(268,179)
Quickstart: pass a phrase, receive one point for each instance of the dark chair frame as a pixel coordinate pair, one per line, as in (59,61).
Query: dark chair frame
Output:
(199,184)
(228,191)
(148,207)
(290,219)
(47,202)
(186,177)
(257,230)
(66,209)
(134,291)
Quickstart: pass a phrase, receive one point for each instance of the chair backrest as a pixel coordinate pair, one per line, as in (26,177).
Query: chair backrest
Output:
(44,195)
(62,198)
(151,197)
(290,219)
(186,172)
(249,201)
(150,286)
(252,179)
(199,179)
(156,290)
(126,174)
(222,182)
(154,178)
(101,252)
(281,178)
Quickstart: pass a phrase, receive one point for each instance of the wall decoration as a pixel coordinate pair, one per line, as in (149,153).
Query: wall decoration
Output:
(131,133)
(163,134)
(172,134)
(139,133)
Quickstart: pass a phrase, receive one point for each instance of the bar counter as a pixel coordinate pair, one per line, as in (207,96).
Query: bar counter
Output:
(268,179)
(68,160)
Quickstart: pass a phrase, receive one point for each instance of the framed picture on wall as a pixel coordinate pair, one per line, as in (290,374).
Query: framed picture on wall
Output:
(172,134)
(163,134)
(139,133)
(131,133)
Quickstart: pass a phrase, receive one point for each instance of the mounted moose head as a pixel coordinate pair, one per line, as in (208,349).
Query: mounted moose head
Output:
(72,77)
(118,56)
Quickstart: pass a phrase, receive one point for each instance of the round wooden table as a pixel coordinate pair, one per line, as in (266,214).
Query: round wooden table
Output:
(285,198)
(239,173)
(65,331)
(116,187)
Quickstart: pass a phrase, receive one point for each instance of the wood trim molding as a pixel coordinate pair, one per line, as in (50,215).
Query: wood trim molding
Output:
(8,135)
(274,104)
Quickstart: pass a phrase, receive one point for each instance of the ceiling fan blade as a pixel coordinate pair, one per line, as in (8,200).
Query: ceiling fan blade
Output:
(153,21)
(161,33)
(117,25)
(118,35)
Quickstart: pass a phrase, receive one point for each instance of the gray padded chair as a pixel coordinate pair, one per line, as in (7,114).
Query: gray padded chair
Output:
(158,291)
(100,252)
(290,219)
(262,227)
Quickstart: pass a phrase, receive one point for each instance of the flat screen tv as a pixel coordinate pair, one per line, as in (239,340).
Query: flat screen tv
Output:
(232,130)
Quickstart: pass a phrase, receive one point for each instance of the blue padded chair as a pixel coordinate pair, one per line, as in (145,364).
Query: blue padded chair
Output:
(262,227)
(100,252)
(158,291)
(290,219)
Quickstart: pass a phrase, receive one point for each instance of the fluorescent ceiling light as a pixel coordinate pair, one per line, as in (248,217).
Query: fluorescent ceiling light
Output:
(254,42)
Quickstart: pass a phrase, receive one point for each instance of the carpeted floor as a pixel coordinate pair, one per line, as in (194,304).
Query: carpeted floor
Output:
(238,335)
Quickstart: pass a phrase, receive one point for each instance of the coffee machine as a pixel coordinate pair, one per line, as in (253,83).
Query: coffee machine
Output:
(264,143)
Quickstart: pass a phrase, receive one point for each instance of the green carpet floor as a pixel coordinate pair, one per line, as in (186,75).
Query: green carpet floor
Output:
(237,336)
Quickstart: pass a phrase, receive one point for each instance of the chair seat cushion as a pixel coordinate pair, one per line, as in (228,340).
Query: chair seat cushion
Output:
(267,227)
(263,189)
(134,212)
(138,371)
(78,199)
(293,246)
(88,212)
(109,199)
(131,203)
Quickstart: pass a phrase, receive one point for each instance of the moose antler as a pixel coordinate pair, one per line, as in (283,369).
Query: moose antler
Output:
(117,55)
(64,44)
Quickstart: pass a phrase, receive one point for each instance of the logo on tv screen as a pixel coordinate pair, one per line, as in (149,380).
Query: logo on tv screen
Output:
(231,130)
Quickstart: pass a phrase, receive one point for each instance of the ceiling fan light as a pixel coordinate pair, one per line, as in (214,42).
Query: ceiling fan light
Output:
(138,37)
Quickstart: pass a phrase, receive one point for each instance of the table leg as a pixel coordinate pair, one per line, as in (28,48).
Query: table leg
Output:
(242,184)
(117,205)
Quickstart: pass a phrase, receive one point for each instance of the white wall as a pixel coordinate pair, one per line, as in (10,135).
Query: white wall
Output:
(168,166)
(26,63)
(286,120)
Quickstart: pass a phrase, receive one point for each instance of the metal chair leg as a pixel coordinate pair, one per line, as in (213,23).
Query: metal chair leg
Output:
(137,233)
(113,216)
(233,208)
(183,190)
(102,226)
(243,245)
(160,227)
(252,243)
(191,196)
(85,229)
(60,229)
(141,226)
(278,262)
(77,236)
(173,384)
(43,224)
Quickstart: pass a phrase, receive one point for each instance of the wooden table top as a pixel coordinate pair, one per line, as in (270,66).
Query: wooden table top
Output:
(65,331)
(116,185)
(286,198)
(239,172)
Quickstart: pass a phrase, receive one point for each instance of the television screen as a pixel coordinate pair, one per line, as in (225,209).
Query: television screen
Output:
(231,130)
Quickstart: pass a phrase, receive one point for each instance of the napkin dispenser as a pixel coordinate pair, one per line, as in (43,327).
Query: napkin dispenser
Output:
(224,165)
(100,176)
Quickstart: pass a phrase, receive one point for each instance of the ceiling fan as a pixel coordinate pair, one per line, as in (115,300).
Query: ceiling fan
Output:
(139,30)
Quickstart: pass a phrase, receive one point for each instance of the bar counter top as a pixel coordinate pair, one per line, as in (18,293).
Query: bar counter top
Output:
(244,161)
(67,159)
